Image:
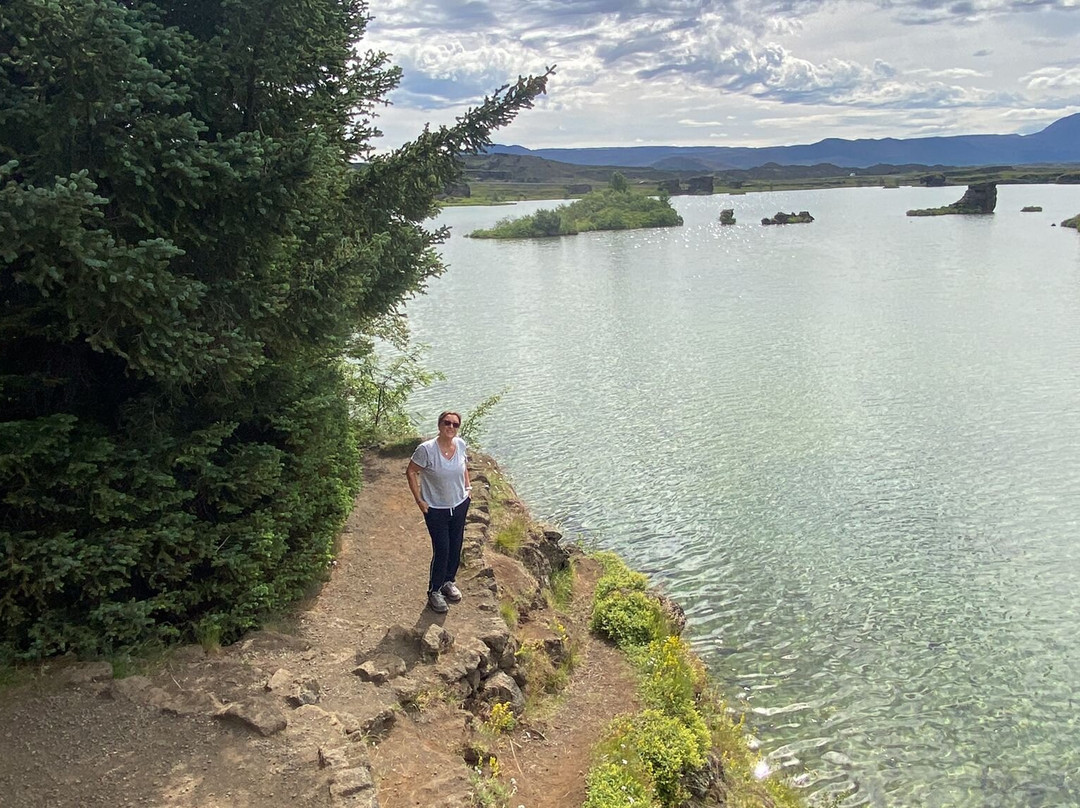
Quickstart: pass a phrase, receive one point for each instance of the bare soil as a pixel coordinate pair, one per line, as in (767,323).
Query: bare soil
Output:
(282,718)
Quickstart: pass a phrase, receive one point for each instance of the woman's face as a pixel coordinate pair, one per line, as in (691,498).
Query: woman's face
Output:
(449,425)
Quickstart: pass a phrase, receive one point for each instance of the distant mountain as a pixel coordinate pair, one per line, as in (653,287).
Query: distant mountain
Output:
(1057,143)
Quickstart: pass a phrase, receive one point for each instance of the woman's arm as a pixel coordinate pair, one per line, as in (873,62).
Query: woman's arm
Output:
(465,456)
(412,474)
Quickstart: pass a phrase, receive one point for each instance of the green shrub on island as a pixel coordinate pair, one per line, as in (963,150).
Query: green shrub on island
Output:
(613,208)
(1074,222)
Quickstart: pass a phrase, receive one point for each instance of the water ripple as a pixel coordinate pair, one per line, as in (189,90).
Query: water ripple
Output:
(849,450)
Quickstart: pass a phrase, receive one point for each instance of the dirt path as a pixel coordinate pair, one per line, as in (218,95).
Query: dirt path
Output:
(283,718)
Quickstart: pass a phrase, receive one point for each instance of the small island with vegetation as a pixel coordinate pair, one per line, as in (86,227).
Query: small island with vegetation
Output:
(613,208)
(1074,222)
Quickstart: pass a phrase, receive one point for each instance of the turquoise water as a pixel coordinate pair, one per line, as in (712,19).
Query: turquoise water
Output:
(850,449)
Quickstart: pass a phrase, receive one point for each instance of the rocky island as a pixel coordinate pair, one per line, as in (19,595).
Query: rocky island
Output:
(980,198)
(802,217)
(1074,222)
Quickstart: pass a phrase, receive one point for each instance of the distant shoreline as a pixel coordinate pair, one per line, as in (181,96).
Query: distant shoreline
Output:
(529,181)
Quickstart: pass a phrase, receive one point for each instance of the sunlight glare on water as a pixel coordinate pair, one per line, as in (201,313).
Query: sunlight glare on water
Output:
(848,448)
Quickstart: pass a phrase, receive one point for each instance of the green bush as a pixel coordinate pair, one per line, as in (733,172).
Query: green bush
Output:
(622,611)
(616,785)
(673,681)
(620,580)
(627,618)
(666,749)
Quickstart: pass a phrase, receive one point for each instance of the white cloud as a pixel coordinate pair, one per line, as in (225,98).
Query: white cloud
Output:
(680,70)
(1053,78)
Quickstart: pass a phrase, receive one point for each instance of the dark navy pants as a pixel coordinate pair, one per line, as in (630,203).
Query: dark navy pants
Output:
(446,527)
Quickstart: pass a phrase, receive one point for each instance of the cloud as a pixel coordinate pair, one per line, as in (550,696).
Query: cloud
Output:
(1053,79)
(638,66)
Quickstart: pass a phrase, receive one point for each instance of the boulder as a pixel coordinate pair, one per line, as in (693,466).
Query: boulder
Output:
(727,216)
(501,688)
(436,640)
(381,669)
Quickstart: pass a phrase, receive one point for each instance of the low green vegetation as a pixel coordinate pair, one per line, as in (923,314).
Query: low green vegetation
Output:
(614,208)
(645,758)
(509,537)
(1074,222)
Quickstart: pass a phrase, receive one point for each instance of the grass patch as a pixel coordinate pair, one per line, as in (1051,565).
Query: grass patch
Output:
(509,537)
(562,586)
(509,613)
(424,700)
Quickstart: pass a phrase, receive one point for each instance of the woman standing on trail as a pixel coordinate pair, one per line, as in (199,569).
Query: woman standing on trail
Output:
(438,475)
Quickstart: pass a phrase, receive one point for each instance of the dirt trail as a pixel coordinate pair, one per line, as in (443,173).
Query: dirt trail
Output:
(283,718)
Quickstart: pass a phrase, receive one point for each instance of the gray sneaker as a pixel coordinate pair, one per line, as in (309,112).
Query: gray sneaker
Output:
(437,602)
(450,590)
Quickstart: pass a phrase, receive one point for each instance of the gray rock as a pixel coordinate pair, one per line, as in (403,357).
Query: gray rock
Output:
(508,658)
(281,681)
(349,722)
(488,659)
(436,640)
(460,666)
(407,690)
(333,758)
(501,687)
(381,669)
(306,691)
(260,718)
(380,722)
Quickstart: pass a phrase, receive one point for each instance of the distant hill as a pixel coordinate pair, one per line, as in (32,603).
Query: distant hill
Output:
(1057,143)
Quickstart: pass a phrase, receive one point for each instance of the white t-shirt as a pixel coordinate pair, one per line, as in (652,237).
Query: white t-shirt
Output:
(442,481)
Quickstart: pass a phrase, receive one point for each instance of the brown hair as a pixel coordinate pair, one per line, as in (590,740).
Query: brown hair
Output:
(446,413)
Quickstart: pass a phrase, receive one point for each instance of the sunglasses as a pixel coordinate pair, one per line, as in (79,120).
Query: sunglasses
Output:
(454,424)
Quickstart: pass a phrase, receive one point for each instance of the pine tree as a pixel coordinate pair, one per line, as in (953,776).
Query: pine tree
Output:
(188,245)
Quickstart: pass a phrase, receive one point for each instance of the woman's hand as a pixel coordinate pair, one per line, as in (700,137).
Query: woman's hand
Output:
(423,506)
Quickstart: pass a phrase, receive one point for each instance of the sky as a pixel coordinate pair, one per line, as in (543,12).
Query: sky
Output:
(737,73)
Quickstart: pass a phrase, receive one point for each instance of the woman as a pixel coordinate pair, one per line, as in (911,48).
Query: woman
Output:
(438,475)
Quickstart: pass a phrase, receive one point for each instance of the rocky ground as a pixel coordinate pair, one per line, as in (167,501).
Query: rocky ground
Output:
(364,698)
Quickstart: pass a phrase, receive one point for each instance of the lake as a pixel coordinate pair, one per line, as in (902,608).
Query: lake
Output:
(850,449)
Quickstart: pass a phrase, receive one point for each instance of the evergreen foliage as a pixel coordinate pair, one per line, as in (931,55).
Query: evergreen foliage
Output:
(613,208)
(189,250)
